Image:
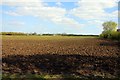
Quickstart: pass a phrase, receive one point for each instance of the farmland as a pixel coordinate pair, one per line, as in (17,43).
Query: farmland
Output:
(60,55)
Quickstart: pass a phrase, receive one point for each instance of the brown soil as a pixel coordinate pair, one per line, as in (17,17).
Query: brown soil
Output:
(77,56)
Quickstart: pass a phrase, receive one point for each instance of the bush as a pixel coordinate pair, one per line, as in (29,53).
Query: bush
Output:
(115,36)
(111,35)
(105,34)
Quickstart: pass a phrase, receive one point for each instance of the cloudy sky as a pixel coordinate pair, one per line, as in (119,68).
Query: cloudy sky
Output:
(57,16)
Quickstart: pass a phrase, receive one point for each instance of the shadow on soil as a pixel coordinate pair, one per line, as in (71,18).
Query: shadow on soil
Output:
(110,43)
(75,65)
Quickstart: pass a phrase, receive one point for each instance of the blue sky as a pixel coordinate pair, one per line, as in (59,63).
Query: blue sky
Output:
(75,17)
(119,14)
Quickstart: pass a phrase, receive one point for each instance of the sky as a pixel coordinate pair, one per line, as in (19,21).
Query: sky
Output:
(57,16)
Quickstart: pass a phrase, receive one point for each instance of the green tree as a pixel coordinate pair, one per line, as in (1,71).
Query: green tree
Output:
(109,26)
(110,31)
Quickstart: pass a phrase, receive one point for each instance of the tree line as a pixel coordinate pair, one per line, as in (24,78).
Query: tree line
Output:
(47,34)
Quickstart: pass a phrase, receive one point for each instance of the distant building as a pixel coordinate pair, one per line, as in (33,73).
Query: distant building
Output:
(118,30)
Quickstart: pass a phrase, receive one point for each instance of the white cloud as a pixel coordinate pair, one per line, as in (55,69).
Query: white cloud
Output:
(113,14)
(119,14)
(22,2)
(38,9)
(87,9)
(16,23)
(58,3)
(69,22)
(94,9)
(11,13)
(101,3)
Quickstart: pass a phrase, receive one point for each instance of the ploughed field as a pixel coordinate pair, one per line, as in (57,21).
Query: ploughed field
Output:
(58,55)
